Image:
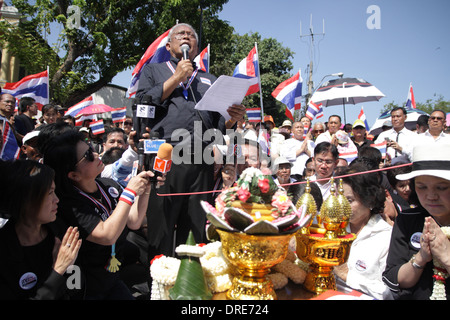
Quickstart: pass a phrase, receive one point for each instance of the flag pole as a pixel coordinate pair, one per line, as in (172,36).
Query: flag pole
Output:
(48,83)
(209,54)
(260,87)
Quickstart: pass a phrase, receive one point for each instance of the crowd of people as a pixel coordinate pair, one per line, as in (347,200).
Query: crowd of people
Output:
(75,198)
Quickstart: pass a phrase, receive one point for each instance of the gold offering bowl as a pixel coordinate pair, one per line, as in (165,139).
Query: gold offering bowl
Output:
(253,256)
(322,254)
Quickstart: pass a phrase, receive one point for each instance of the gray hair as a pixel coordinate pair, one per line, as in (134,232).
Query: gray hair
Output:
(169,36)
(320,124)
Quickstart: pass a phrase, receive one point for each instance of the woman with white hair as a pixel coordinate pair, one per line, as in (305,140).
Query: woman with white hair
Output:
(418,263)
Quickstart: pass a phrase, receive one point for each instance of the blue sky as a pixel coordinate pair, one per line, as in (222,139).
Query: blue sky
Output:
(411,46)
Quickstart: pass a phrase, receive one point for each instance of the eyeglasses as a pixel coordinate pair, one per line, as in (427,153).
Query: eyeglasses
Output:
(437,118)
(88,155)
(128,123)
(327,162)
(182,34)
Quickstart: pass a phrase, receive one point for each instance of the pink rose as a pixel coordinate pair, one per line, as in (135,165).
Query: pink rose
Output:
(263,185)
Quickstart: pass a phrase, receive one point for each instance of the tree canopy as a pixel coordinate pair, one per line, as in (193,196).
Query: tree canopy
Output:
(99,39)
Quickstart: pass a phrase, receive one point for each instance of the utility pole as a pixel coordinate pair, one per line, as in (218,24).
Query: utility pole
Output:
(311,35)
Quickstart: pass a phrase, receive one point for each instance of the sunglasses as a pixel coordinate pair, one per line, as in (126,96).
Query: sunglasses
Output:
(88,155)
(437,118)
(128,123)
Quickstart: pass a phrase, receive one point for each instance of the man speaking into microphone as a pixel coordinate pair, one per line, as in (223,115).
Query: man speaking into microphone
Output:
(175,87)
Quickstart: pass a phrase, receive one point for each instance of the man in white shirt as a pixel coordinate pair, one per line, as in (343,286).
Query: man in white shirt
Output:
(325,161)
(297,150)
(435,132)
(399,139)
(334,124)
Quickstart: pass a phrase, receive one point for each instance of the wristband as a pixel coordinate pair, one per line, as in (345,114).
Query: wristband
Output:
(128,196)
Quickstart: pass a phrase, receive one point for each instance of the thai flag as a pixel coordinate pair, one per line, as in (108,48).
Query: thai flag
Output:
(119,115)
(382,146)
(79,121)
(202,60)
(314,110)
(248,68)
(97,127)
(263,141)
(305,130)
(10,149)
(155,53)
(349,156)
(410,102)
(362,116)
(34,86)
(289,92)
(74,110)
(254,114)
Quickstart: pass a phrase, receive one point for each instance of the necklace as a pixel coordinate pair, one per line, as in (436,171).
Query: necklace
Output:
(187,86)
(113,264)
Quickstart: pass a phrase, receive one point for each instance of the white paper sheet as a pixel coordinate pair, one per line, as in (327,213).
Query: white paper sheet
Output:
(225,92)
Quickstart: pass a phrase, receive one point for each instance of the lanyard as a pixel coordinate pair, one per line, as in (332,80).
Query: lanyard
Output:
(185,87)
(98,203)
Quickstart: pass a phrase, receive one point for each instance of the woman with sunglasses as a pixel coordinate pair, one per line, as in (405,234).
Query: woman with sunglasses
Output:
(101,210)
(33,260)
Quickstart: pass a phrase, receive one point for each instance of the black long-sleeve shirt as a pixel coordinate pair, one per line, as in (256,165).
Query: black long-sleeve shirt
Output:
(177,112)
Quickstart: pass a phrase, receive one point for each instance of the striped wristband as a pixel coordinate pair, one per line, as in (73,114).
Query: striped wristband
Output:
(128,196)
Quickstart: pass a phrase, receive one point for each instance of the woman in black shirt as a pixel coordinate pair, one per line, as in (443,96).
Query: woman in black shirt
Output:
(28,267)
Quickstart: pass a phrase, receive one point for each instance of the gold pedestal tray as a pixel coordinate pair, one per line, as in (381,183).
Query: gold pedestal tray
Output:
(253,256)
(322,254)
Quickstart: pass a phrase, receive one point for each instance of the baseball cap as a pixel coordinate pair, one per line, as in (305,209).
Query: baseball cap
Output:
(358,123)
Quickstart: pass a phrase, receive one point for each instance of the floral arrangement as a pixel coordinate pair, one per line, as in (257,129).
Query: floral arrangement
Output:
(216,269)
(255,188)
(440,275)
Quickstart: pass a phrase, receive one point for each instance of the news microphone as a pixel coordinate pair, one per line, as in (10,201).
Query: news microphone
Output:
(162,162)
(185,49)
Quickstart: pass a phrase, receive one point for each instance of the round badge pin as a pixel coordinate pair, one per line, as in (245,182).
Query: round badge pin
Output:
(113,192)
(415,240)
(27,281)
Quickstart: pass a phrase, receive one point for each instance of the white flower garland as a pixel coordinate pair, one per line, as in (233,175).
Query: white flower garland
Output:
(440,275)
(164,271)
(216,269)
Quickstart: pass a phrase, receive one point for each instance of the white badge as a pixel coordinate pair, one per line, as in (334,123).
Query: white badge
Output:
(28,280)
(113,192)
(415,240)
(361,265)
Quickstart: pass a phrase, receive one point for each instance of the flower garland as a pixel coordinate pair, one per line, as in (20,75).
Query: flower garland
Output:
(164,272)
(440,275)
(216,268)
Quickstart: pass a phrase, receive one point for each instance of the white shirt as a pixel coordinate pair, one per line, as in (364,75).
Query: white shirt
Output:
(323,137)
(325,188)
(367,259)
(427,138)
(405,140)
(288,150)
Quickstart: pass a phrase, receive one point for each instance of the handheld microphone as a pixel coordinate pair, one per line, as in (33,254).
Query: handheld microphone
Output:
(185,49)
(162,162)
